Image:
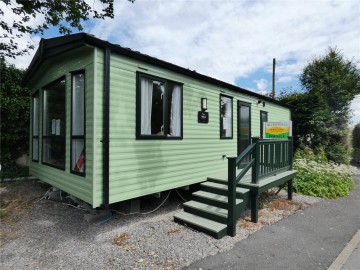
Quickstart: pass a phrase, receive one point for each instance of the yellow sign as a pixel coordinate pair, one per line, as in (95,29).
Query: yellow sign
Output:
(277,129)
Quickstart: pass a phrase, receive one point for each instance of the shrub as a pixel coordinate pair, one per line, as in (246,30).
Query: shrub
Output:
(321,179)
(14,124)
(356,136)
(356,143)
(356,154)
(338,153)
(307,153)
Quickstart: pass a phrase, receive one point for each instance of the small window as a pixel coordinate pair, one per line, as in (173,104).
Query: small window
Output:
(78,123)
(263,119)
(159,108)
(226,117)
(35,127)
(54,124)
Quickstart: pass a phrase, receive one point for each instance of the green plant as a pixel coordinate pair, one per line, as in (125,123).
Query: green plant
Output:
(356,154)
(320,179)
(14,124)
(317,155)
(356,136)
(338,153)
(356,143)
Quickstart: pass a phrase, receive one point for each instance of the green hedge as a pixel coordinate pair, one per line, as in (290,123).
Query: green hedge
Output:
(356,136)
(14,124)
(356,154)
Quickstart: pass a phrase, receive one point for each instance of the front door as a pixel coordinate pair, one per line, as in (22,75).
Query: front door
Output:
(244,127)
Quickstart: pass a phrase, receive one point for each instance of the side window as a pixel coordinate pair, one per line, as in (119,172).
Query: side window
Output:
(159,108)
(77,159)
(226,117)
(54,123)
(35,127)
(263,119)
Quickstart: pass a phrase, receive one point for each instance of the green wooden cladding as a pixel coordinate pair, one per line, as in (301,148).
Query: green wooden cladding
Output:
(141,167)
(50,70)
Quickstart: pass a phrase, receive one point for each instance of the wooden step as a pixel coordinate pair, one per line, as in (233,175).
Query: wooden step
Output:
(210,227)
(214,213)
(223,189)
(212,198)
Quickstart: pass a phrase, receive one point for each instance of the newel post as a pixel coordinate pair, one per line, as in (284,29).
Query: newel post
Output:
(256,156)
(291,154)
(231,220)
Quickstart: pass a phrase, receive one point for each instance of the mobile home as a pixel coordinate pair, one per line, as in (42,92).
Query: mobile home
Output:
(110,124)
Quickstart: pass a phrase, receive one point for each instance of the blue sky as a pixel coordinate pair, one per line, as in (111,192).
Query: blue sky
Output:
(234,41)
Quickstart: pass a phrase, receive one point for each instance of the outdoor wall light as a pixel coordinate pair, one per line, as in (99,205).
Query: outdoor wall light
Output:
(204,104)
(263,102)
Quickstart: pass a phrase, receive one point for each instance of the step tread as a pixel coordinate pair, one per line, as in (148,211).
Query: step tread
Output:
(207,208)
(214,197)
(201,222)
(224,187)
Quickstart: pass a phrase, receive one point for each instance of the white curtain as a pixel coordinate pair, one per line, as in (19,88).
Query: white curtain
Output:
(146,105)
(175,124)
(78,105)
(36,116)
(35,150)
(47,121)
(78,118)
(228,114)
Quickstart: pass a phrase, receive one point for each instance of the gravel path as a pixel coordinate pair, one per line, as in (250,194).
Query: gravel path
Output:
(55,236)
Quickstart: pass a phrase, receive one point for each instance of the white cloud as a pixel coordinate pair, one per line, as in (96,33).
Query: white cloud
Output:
(233,39)
(230,39)
(285,79)
(262,86)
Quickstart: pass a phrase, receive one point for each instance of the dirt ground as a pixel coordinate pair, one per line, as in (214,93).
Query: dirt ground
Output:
(38,233)
(16,199)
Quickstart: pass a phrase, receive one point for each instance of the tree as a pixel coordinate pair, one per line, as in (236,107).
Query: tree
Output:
(66,15)
(356,136)
(322,111)
(356,142)
(14,124)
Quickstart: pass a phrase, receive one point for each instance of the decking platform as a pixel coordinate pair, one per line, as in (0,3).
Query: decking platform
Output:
(223,197)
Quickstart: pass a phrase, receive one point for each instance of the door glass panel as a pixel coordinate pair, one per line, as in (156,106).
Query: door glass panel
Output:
(244,128)
(263,119)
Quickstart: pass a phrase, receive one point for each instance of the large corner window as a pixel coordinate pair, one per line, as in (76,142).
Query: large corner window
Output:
(159,108)
(226,117)
(263,119)
(78,123)
(54,123)
(35,127)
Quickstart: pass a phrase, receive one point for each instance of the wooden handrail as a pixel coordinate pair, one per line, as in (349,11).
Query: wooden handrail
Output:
(248,150)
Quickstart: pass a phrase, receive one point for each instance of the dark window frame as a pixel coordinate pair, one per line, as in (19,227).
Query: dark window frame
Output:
(74,137)
(261,122)
(42,125)
(232,118)
(138,134)
(36,94)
